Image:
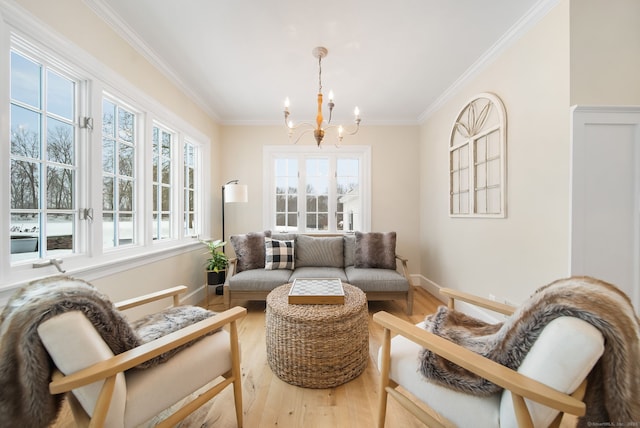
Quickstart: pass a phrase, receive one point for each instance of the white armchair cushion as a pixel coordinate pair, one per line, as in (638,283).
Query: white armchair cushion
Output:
(149,391)
(464,410)
(562,357)
(74,344)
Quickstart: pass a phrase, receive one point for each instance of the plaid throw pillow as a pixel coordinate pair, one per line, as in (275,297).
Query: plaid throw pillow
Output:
(279,254)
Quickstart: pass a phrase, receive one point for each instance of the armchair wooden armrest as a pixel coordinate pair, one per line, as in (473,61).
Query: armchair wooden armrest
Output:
(476,300)
(118,363)
(520,386)
(152,297)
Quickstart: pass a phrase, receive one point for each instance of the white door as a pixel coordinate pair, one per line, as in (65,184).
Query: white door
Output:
(605,196)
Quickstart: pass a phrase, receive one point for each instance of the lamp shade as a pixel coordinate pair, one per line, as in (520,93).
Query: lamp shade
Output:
(234,192)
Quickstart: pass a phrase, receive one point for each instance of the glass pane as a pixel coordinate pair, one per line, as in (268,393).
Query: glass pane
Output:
(107,193)
(166,144)
(323,204)
(464,156)
(292,220)
(25,80)
(455,182)
(108,119)
(108,156)
(25,132)
(60,142)
(60,95)
(155,226)
(293,203)
(323,221)
(125,229)
(60,233)
(165,226)
(191,203)
(108,240)
(125,164)
(312,204)
(340,221)
(155,197)
(25,236)
(125,125)
(281,203)
(166,171)
(166,198)
(311,221)
(464,203)
(280,220)
(493,143)
(125,195)
(25,185)
(281,185)
(481,150)
(191,225)
(347,167)
(59,188)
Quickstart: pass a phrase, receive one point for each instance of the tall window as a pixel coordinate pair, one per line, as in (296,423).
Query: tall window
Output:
(162,152)
(312,192)
(43,159)
(191,158)
(118,174)
(477,159)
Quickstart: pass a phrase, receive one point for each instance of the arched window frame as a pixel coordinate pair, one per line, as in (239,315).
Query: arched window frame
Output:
(478,159)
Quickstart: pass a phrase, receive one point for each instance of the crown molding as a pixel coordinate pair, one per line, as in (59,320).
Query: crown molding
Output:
(106,13)
(524,24)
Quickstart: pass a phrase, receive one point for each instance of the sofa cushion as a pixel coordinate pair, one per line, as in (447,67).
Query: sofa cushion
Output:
(319,251)
(374,279)
(249,249)
(279,254)
(259,279)
(375,250)
(349,250)
(318,272)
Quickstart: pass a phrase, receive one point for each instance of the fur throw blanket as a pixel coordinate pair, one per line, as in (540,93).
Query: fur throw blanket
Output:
(25,366)
(614,383)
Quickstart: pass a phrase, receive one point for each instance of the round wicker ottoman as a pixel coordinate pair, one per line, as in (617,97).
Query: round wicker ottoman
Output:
(317,346)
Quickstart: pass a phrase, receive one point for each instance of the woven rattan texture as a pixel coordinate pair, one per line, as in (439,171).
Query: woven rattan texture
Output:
(317,346)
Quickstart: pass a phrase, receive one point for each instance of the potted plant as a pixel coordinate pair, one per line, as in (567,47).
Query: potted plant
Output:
(216,264)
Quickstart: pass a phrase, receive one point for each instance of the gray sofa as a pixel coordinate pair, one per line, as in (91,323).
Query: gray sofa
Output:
(366,260)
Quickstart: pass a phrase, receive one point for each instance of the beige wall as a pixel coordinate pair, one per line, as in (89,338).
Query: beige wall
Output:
(75,21)
(507,257)
(605,52)
(395,179)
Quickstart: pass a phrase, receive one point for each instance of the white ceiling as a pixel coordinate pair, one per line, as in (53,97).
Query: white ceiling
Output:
(393,59)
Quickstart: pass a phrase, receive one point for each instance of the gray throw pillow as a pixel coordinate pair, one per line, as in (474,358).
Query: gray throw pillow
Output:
(375,250)
(249,249)
(349,250)
(319,251)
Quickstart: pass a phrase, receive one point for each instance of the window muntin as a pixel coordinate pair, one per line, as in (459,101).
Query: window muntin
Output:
(333,188)
(162,146)
(119,175)
(43,160)
(477,159)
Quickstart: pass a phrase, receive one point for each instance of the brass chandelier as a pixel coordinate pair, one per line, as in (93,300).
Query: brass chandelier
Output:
(318,129)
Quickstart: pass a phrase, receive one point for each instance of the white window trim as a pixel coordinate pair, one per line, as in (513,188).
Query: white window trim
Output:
(272,152)
(94,263)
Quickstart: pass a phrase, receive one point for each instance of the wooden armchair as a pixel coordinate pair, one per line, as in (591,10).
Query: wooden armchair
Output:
(546,385)
(108,390)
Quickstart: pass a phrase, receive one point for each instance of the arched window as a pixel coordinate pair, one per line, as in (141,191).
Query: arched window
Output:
(477,159)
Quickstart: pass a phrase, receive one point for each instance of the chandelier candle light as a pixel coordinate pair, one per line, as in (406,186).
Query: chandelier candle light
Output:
(318,132)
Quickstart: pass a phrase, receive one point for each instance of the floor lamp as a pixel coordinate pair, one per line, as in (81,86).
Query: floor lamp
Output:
(232,192)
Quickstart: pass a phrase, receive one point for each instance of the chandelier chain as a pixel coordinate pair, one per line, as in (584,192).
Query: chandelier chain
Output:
(319,74)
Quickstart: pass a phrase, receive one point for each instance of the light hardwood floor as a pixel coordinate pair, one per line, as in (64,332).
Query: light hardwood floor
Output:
(270,402)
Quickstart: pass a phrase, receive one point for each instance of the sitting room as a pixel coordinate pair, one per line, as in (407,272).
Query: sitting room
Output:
(348,214)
